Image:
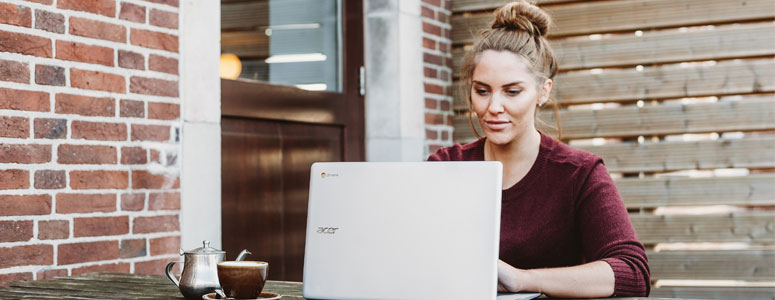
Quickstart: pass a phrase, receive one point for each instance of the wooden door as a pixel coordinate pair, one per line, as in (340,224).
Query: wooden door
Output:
(271,135)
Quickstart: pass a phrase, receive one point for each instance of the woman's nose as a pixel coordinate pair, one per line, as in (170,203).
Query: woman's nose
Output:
(496,105)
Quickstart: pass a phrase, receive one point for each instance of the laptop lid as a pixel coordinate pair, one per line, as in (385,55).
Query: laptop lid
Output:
(425,230)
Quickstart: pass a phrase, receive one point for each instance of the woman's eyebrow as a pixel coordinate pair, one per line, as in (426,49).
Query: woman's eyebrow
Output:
(480,83)
(513,83)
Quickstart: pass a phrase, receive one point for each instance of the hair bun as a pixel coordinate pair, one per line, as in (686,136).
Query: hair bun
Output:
(521,15)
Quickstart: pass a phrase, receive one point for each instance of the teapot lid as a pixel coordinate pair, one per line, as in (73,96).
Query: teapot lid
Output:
(205,249)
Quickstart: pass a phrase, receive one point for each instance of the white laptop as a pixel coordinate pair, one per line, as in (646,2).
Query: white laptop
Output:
(426,230)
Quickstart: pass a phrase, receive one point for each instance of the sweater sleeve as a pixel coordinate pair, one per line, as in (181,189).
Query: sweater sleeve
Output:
(607,234)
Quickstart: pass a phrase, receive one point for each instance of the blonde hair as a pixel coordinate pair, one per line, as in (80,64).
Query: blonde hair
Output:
(519,28)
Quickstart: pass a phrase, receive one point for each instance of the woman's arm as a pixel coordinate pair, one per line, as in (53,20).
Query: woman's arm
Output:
(591,280)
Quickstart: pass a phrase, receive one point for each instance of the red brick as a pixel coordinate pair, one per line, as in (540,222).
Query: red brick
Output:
(432,59)
(50,128)
(153,267)
(111,268)
(82,180)
(99,131)
(102,7)
(131,60)
(13,277)
(14,127)
(428,43)
(46,2)
(133,202)
(25,154)
(444,135)
(447,33)
(24,205)
(85,252)
(436,3)
(85,106)
(51,274)
(163,64)
(442,17)
(445,106)
(134,156)
(431,29)
(163,111)
(94,80)
(434,89)
(146,180)
(155,156)
(430,72)
(26,255)
(49,21)
(50,75)
(49,179)
(15,15)
(153,40)
(97,30)
(427,13)
(24,100)
(132,109)
(167,2)
(165,245)
(132,12)
(431,134)
(14,179)
(444,47)
(431,104)
(155,224)
(15,231)
(434,119)
(132,248)
(84,53)
(100,226)
(15,71)
(53,230)
(164,201)
(85,203)
(444,75)
(159,133)
(152,86)
(163,18)
(25,44)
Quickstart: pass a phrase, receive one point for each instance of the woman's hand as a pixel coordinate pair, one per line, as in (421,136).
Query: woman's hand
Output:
(510,279)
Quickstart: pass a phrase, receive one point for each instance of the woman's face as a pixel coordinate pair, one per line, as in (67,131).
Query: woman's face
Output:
(504,95)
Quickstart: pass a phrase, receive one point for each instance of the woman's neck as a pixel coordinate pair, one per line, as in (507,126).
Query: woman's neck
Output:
(521,149)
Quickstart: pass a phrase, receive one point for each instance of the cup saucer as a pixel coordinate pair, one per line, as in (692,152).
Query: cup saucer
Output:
(263,296)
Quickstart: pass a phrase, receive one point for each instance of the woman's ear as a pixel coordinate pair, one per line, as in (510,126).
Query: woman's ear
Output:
(546,90)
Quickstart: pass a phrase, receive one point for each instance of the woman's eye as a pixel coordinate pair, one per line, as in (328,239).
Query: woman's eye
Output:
(513,92)
(481,92)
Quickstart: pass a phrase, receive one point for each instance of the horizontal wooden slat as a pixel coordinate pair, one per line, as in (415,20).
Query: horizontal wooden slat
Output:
(710,292)
(758,227)
(717,264)
(461,6)
(244,15)
(758,189)
(611,16)
(754,152)
(725,42)
(754,113)
(669,82)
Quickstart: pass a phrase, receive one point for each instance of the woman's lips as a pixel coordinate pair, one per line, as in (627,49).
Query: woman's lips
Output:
(497,124)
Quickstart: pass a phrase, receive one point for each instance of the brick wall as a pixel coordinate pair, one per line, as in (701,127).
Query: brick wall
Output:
(437,66)
(89,137)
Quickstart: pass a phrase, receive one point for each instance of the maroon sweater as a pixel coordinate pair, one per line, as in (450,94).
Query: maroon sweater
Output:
(565,212)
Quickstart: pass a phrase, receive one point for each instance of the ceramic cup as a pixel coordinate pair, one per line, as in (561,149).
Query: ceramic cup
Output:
(242,279)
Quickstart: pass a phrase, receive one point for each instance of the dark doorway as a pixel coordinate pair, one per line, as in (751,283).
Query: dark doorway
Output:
(272,132)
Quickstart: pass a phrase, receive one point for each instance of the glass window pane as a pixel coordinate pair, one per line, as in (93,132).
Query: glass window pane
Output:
(287,42)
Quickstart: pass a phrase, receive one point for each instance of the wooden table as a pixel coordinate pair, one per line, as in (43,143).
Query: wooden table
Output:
(124,286)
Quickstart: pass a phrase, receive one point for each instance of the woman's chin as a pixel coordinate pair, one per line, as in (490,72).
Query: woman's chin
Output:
(499,138)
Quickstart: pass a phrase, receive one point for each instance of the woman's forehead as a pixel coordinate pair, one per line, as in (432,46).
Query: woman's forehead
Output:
(499,67)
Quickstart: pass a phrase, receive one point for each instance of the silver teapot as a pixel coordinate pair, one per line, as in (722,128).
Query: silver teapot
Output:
(200,271)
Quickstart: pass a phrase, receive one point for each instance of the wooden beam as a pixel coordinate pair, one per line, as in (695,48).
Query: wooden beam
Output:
(617,16)
(716,264)
(751,190)
(756,227)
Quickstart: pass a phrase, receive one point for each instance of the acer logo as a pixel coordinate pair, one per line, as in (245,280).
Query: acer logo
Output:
(327,230)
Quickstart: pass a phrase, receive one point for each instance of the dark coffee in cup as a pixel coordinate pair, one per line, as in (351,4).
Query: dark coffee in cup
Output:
(242,279)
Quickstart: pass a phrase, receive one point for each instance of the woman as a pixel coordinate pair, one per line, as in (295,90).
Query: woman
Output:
(564,228)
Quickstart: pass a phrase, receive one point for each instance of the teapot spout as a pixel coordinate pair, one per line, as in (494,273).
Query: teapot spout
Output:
(242,255)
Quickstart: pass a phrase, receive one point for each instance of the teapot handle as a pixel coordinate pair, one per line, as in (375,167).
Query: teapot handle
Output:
(169,273)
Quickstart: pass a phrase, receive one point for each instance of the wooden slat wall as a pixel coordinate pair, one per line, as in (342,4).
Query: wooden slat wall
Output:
(673,95)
